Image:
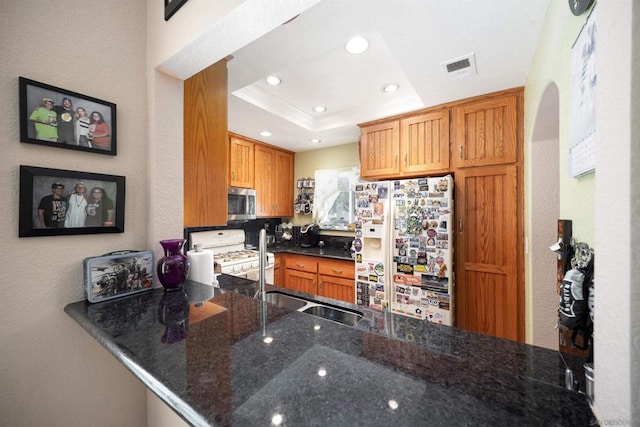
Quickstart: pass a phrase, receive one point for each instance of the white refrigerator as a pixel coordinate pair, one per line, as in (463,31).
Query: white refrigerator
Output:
(403,247)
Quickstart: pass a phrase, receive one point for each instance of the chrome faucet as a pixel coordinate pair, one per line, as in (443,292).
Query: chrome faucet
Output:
(262,264)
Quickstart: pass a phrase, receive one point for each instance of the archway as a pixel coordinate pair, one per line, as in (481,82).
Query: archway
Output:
(545,208)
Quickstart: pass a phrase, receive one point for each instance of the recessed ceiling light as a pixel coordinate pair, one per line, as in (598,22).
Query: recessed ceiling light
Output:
(273,80)
(265,133)
(357,45)
(319,109)
(315,140)
(390,87)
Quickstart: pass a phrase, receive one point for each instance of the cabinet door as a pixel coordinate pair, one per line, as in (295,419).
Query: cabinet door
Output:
(301,281)
(485,132)
(488,290)
(283,182)
(337,288)
(205,147)
(379,155)
(241,162)
(264,184)
(424,143)
(278,270)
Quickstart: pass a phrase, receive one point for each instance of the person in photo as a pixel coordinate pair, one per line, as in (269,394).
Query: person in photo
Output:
(100,209)
(52,209)
(66,115)
(76,207)
(45,120)
(99,134)
(82,124)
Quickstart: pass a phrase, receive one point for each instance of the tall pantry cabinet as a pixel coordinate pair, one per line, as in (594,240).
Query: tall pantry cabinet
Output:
(487,141)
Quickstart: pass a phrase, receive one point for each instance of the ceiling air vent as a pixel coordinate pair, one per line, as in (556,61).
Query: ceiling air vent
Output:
(462,67)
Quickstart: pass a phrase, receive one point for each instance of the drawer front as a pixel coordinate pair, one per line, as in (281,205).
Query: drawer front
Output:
(337,268)
(302,263)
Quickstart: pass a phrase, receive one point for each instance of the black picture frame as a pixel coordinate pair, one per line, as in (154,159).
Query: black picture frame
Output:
(67,130)
(38,188)
(171,7)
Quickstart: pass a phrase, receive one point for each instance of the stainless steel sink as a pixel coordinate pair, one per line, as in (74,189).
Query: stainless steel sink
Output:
(344,316)
(336,314)
(285,301)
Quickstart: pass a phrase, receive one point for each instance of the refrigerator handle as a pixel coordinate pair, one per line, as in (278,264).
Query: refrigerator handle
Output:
(460,225)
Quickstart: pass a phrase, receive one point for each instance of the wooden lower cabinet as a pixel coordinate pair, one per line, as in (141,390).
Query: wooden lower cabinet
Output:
(336,288)
(331,278)
(301,281)
(278,270)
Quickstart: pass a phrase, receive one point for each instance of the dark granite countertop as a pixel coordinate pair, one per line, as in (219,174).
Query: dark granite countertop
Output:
(201,350)
(329,251)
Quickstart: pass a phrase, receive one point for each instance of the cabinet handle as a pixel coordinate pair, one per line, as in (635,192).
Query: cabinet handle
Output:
(396,161)
(300,265)
(460,225)
(405,159)
(336,271)
(321,282)
(461,150)
(233,176)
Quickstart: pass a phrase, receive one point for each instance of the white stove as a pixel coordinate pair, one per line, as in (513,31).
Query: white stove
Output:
(230,255)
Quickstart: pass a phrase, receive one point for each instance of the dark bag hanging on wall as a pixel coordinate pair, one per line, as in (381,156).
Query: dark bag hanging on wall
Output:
(573,308)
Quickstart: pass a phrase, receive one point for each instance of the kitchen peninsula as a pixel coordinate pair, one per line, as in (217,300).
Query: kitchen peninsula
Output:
(203,351)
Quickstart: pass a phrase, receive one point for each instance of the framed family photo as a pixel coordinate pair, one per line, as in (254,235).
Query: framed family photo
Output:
(64,119)
(171,7)
(62,202)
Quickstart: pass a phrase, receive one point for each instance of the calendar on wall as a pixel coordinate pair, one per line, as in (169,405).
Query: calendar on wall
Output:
(582,131)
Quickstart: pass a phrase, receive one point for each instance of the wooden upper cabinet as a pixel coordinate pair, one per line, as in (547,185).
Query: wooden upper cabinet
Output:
(241,162)
(264,185)
(411,146)
(206,147)
(379,155)
(485,132)
(424,143)
(273,182)
(284,184)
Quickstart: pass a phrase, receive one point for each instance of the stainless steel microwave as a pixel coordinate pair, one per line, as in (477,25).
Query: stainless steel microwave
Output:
(241,203)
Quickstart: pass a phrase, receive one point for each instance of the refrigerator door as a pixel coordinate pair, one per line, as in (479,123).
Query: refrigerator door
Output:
(371,244)
(421,256)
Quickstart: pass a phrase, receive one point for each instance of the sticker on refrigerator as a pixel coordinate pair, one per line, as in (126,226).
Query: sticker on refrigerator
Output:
(405,268)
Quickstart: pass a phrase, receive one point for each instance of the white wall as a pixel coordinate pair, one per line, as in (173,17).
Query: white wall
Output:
(617,324)
(51,372)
